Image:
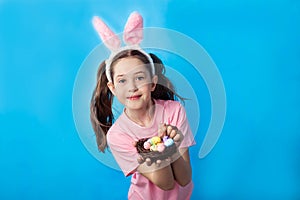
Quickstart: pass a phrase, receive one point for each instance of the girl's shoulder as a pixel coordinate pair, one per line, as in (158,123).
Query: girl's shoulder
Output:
(116,135)
(172,111)
(169,104)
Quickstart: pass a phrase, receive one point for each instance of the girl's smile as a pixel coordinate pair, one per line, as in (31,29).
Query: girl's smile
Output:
(135,97)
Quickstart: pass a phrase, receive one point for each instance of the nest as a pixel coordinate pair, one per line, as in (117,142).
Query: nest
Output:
(154,155)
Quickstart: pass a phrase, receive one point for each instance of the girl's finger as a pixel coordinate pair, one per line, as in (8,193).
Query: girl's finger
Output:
(140,160)
(148,161)
(169,129)
(168,159)
(158,162)
(177,138)
(162,130)
(173,133)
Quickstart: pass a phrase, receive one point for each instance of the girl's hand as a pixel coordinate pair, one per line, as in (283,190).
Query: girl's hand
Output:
(148,161)
(172,132)
(164,130)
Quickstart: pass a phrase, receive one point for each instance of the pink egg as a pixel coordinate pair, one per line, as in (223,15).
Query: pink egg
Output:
(160,147)
(147,145)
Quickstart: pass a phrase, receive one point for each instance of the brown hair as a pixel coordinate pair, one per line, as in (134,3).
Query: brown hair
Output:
(101,114)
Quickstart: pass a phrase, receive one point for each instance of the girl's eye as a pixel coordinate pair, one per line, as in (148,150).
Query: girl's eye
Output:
(121,81)
(139,78)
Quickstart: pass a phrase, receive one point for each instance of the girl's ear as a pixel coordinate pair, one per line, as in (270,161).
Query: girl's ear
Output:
(111,87)
(154,82)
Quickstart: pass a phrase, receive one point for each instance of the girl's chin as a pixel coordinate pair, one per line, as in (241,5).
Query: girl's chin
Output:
(135,105)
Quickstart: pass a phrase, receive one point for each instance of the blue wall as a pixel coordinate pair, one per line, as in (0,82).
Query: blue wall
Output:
(255,44)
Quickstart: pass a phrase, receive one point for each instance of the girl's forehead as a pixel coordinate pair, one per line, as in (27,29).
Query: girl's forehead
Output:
(129,65)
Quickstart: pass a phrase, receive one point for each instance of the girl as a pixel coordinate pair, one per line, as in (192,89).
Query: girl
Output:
(137,80)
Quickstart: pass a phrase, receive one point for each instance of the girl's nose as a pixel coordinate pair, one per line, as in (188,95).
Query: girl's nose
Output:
(132,87)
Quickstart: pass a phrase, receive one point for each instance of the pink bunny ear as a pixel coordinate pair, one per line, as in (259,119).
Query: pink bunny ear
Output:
(133,31)
(108,37)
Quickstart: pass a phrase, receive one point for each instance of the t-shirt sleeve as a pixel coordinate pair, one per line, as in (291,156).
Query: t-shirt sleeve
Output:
(123,151)
(181,121)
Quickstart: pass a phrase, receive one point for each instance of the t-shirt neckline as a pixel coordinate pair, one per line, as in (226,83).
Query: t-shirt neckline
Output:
(125,117)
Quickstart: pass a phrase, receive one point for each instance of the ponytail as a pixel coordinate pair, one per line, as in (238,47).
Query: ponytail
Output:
(101,108)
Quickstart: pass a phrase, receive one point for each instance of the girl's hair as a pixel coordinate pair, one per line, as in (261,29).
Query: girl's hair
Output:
(101,114)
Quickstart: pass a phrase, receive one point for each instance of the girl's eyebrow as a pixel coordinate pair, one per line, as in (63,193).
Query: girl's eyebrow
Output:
(120,75)
(139,72)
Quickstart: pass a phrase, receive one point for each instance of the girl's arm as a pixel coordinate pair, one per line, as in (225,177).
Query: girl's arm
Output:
(165,174)
(160,175)
(181,167)
(177,169)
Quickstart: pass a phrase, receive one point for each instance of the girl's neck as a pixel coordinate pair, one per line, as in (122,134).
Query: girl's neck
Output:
(142,117)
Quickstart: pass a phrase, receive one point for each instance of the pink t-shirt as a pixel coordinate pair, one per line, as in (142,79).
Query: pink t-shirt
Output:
(124,131)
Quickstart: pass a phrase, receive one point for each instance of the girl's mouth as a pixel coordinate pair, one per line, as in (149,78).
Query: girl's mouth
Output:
(136,97)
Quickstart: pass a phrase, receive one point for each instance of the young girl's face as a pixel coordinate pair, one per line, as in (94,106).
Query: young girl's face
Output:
(132,83)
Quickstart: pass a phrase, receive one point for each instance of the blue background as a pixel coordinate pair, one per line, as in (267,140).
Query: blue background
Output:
(255,44)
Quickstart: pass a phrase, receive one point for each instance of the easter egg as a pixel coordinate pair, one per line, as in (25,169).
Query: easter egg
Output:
(160,147)
(153,148)
(165,138)
(155,140)
(147,145)
(150,141)
(168,142)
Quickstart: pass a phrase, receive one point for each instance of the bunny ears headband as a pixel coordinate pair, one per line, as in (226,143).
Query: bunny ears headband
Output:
(132,36)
